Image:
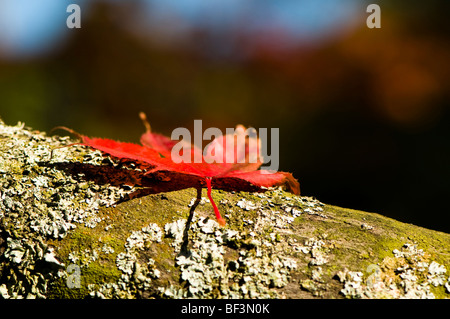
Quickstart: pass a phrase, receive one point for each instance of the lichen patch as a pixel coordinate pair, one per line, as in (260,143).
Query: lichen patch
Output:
(409,274)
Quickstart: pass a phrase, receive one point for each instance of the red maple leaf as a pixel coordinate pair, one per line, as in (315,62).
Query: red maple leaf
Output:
(233,168)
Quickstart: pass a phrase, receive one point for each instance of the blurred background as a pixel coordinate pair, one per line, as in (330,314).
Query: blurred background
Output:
(363,113)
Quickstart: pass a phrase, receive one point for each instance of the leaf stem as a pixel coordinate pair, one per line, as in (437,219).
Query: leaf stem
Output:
(220,220)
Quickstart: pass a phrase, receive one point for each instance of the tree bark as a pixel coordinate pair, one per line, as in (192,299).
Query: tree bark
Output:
(75,223)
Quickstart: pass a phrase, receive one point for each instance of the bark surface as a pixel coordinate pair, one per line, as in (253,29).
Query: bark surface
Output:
(75,224)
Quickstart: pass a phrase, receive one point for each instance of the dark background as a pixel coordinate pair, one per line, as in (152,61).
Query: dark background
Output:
(363,113)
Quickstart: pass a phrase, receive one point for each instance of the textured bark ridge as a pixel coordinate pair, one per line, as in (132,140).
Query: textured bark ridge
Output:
(78,225)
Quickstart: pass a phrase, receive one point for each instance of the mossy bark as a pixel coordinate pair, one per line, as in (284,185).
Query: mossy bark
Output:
(275,244)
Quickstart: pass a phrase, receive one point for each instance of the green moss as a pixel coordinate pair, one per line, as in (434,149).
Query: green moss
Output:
(83,242)
(440,292)
(60,290)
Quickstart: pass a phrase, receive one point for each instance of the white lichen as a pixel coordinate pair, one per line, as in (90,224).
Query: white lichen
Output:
(413,278)
(205,268)
(41,198)
(246,204)
(134,272)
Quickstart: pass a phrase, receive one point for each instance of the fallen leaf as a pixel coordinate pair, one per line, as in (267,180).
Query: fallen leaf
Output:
(215,169)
